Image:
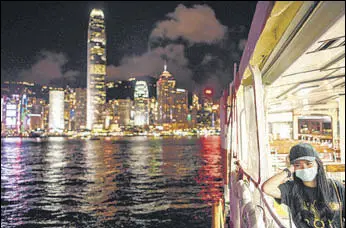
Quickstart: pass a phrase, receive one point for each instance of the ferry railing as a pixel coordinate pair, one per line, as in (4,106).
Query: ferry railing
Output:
(272,213)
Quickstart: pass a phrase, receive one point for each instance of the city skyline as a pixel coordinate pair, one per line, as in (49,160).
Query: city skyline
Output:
(28,109)
(138,41)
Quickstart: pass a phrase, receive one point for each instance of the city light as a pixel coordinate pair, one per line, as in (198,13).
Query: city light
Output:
(208,91)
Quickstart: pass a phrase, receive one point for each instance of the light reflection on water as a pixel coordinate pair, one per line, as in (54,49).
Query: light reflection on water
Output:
(124,182)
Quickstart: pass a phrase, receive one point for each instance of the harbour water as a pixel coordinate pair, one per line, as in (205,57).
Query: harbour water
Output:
(121,182)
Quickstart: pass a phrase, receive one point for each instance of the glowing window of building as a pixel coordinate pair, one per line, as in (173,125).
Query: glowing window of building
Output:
(97,69)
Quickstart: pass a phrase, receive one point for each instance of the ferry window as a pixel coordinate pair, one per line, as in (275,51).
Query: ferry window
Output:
(315,127)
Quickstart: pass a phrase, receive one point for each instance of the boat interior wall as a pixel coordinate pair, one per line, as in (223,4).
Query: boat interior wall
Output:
(280,117)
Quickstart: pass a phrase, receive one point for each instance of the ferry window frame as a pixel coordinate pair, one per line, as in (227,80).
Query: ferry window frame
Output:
(243,129)
(234,125)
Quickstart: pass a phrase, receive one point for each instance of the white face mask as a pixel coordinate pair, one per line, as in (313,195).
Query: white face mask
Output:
(308,174)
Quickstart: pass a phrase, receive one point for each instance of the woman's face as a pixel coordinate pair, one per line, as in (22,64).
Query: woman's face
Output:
(304,164)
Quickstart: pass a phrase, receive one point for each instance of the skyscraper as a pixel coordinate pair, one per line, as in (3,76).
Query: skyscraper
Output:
(2,107)
(96,72)
(165,97)
(56,111)
(141,90)
(124,111)
(12,114)
(80,108)
(180,111)
(141,101)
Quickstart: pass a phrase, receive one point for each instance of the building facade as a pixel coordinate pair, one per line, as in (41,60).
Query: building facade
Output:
(165,97)
(35,108)
(80,112)
(69,109)
(180,111)
(141,103)
(56,111)
(123,111)
(12,114)
(96,70)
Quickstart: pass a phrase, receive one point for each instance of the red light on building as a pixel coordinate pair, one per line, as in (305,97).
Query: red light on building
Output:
(208,91)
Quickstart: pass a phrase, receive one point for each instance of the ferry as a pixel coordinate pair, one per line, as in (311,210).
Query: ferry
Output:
(289,87)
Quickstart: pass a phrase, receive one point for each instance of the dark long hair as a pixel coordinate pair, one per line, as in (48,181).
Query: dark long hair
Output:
(324,195)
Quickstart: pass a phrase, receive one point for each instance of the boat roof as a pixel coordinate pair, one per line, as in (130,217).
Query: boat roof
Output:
(299,47)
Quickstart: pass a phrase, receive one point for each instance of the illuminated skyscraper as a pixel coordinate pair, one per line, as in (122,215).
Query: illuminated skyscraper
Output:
(207,100)
(96,92)
(124,111)
(12,114)
(56,111)
(165,97)
(195,102)
(153,116)
(2,107)
(141,90)
(70,109)
(80,108)
(193,111)
(141,100)
(180,111)
(24,125)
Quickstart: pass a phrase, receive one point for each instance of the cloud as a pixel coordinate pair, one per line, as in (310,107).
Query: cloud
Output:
(48,67)
(207,59)
(197,25)
(151,63)
(208,62)
(242,44)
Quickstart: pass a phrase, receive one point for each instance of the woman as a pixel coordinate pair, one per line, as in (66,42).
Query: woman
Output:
(314,200)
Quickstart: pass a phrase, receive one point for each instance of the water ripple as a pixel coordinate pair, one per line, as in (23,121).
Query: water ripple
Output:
(125,182)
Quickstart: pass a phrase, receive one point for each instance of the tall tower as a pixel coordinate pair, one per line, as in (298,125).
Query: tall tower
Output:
(165,97)
(96,72)
(141,100)
(181,108)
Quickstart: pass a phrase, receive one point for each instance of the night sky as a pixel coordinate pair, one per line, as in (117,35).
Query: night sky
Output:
(45,42)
